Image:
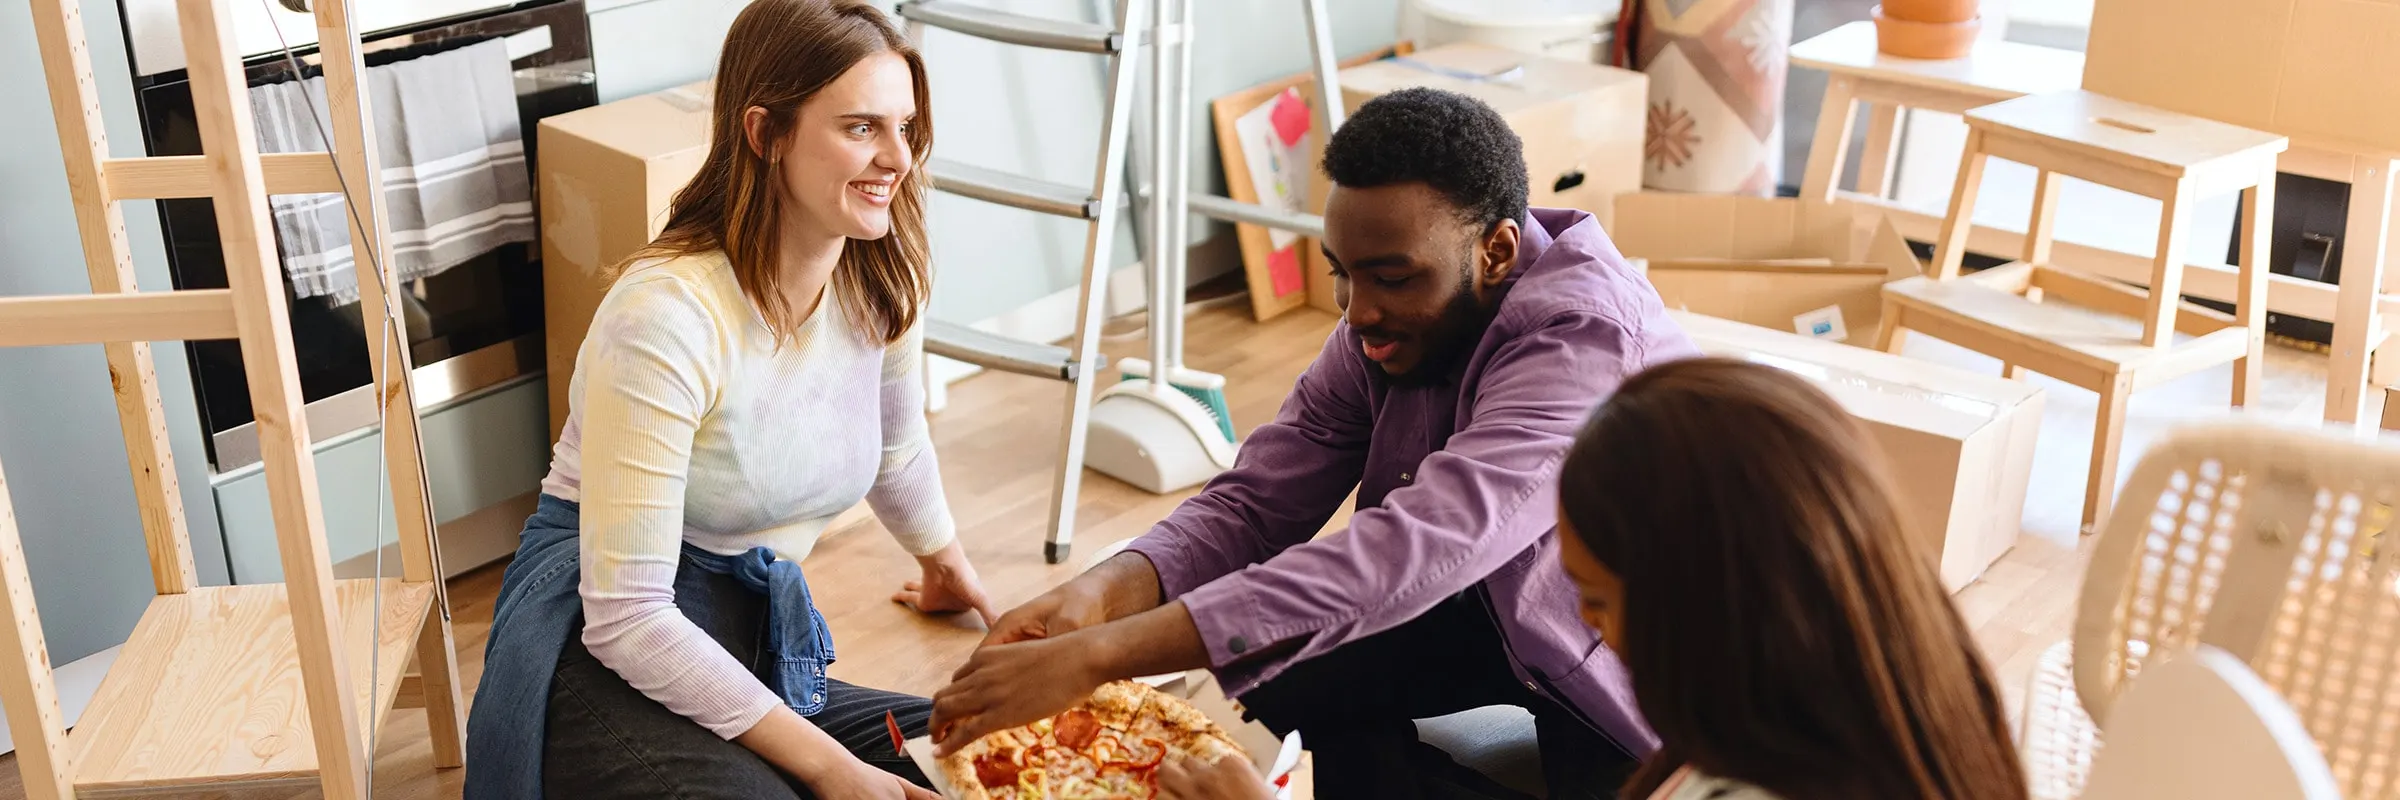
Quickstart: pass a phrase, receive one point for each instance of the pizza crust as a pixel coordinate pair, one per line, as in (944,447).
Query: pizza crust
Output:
(1116,703)
(959,770)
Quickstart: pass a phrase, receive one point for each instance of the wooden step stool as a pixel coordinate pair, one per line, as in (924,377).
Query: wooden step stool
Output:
(2098,334)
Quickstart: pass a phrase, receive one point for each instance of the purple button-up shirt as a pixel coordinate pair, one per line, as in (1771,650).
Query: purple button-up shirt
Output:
(1456,486)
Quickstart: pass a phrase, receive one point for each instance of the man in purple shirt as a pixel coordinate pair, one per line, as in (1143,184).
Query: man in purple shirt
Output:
(1476,336)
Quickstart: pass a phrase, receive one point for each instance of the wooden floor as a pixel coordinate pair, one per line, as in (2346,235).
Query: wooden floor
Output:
(997,442)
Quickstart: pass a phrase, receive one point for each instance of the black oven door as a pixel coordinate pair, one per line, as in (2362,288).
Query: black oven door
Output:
(470,326)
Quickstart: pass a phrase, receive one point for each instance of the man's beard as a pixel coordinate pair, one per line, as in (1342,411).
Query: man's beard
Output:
(1452,335)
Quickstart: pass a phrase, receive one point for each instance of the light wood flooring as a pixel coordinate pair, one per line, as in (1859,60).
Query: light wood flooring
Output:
(997,442)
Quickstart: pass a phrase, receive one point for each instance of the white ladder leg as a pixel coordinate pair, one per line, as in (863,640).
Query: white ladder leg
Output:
(1108,187)
(1177,175)
(937,393)
(1320,51)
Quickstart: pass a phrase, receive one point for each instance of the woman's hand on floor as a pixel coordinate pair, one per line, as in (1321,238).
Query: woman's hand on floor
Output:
(949,585)
(1229,778)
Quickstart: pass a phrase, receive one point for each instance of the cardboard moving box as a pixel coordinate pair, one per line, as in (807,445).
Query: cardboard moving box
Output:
(1582,123)
(1813,268)
(607,174)
(1960,443)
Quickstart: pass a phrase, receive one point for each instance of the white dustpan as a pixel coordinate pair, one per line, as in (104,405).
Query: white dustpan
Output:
(1155,437)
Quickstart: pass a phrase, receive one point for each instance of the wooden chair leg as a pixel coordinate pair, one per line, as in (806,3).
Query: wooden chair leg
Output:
(27,688)
(2166,267)
(2039,229)
(2250,297)
(1876,160)
(445,714)
(1889,336)
(1832,143)
(1950,250)
(2108,437)
(2354,327)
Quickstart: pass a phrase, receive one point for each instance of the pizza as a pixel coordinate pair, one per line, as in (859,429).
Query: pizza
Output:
(1107,748)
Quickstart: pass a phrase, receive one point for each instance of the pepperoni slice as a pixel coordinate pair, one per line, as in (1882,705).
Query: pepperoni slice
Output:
(996,771)
(1075,729)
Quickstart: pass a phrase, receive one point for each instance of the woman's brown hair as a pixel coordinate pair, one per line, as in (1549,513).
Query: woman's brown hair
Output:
(779,54)
(1779,628)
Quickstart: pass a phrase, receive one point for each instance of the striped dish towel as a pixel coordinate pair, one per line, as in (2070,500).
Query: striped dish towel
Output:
(454,177)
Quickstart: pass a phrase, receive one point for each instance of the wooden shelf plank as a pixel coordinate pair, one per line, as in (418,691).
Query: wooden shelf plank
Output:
(156,177)
(2092,339)
(2298,297)
(208,689)
(188,315)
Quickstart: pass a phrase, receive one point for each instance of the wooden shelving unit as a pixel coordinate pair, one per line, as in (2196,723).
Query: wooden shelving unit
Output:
(231,686)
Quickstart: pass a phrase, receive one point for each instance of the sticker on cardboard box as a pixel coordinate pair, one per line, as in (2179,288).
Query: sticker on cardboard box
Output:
(1824,323)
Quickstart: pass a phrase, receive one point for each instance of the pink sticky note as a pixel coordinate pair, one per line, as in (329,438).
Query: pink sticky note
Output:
(1290,117)
(1283,269)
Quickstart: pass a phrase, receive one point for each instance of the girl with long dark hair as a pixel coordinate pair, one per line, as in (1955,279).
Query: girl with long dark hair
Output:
(1735,538)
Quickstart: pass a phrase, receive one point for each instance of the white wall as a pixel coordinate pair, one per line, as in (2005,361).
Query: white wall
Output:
(59,441)
(1031,111)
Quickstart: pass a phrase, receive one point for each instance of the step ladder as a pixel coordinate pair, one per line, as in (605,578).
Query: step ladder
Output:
(1324,66)
(296,656)
(1137,23)
(1079,366)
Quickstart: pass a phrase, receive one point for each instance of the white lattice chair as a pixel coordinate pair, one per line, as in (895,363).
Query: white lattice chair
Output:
(2267,542)
(2203,726)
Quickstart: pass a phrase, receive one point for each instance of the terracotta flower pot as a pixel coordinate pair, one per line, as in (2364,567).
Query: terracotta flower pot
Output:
(1928,40)
(1931,10)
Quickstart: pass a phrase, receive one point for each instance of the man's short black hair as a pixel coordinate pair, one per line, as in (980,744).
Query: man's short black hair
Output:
(1452,143)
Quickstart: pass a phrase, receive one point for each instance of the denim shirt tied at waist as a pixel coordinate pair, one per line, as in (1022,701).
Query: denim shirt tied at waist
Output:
(539,607)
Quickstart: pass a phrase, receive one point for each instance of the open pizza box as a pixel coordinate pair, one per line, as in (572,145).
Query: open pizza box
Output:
(1277,758)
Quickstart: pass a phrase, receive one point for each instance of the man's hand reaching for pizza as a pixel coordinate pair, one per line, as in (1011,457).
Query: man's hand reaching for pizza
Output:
(1010,684)
(1124,585)
(1228,778)
(1007,685)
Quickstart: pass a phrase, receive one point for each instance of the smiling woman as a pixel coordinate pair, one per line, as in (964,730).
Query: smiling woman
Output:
(654,636)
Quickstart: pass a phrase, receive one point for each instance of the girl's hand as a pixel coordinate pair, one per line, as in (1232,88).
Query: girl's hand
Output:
(1230,778)
(800,749)
(949,585)
(857,780)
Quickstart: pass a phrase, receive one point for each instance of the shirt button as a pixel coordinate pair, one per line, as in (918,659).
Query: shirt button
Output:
(817,698)
(1237,645)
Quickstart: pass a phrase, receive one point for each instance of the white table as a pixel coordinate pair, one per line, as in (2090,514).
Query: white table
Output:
(1860,73)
